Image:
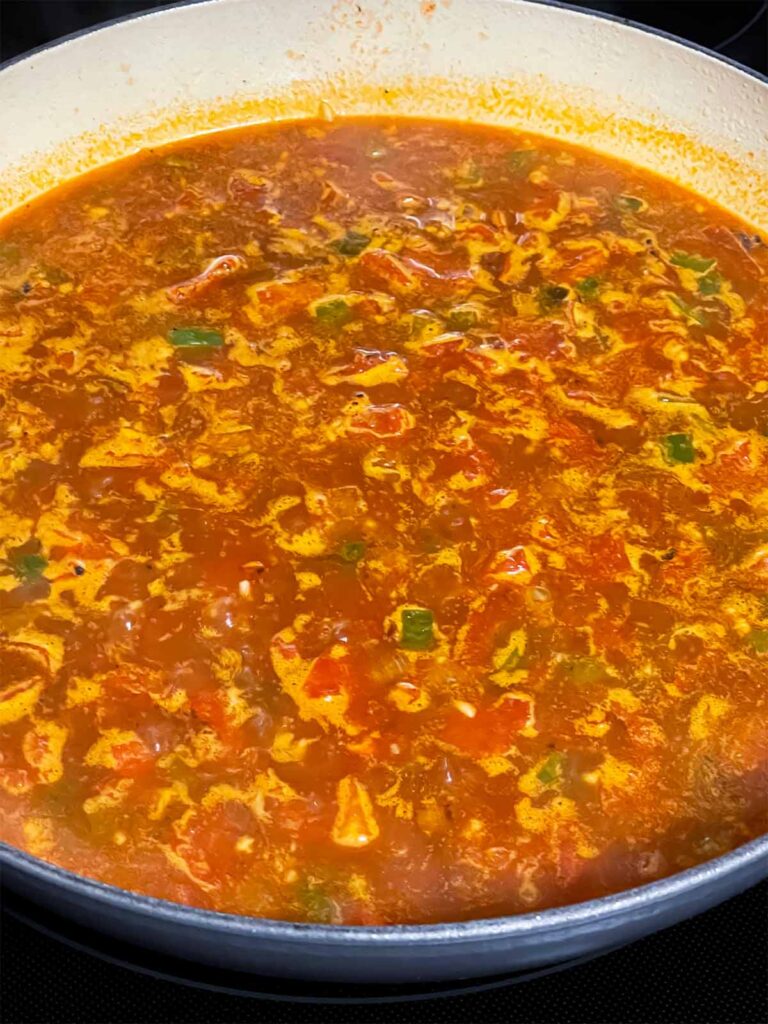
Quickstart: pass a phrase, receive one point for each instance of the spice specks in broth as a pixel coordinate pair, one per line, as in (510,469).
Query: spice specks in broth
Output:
(385,524)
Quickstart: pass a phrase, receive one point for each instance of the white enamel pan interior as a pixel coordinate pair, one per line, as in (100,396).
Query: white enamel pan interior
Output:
(208,65)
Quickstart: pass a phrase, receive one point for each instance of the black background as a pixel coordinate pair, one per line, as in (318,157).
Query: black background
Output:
(711,970)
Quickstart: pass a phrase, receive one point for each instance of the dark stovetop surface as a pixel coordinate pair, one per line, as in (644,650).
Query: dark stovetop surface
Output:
(710,970)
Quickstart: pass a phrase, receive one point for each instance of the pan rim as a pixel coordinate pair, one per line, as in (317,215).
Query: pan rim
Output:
(639,899)
(559,4)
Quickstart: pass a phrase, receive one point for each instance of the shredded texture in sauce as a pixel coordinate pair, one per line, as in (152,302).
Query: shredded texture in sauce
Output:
(384,524)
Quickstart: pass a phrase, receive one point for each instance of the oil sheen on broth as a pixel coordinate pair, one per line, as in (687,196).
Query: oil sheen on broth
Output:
(384,524)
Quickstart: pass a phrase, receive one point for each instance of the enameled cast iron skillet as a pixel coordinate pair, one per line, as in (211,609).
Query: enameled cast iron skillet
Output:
(673,108)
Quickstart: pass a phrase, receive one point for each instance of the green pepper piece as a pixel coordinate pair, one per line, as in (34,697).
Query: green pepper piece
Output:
(552,768)
(758,640)
(520,161)
(333,312)
(54,275)
(195,337)
(314,900)
(28,567)
(710,284)
(469,174)
(352,244)
(692,262)
(628,204)
(352,550)
(588,288)
(463,318)
(585,671)
(421,320)
(417,629)
(679,448)
(694,313)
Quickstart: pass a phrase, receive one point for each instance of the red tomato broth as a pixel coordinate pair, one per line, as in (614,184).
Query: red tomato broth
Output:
(385,524)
